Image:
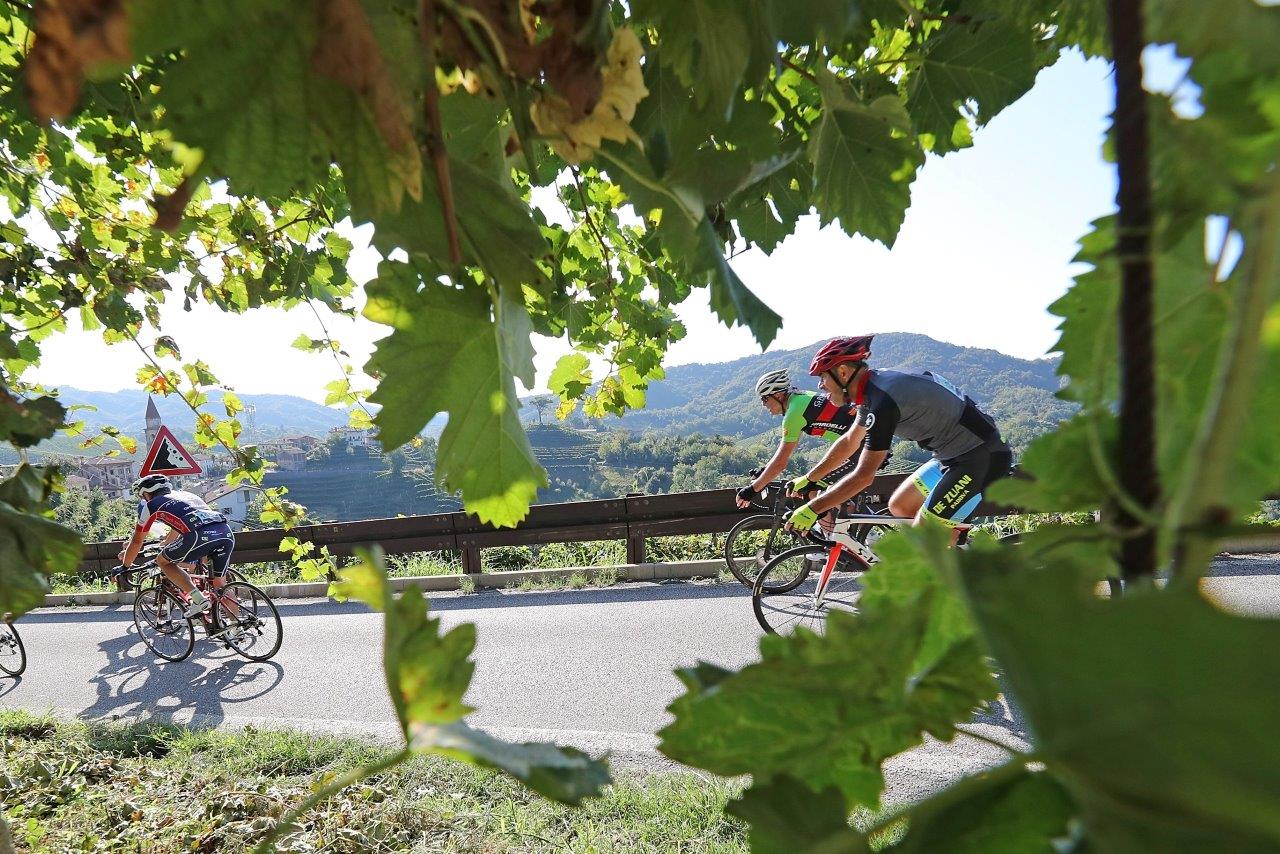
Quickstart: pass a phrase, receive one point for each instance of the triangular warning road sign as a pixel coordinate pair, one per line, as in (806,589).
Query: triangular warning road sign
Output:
(167,456)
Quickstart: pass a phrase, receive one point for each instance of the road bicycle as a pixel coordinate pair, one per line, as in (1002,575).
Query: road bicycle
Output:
(800,586)
(131,579)
(13,655)
(240,616)
(753,541)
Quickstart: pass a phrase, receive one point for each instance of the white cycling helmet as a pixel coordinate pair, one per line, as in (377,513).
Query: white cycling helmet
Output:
(773,383)
(151,483)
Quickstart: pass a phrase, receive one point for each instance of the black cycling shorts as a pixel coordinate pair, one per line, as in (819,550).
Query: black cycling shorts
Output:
(215,542)
(953,488)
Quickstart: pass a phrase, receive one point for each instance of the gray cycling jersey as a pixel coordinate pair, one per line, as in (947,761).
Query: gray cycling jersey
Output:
(924,408)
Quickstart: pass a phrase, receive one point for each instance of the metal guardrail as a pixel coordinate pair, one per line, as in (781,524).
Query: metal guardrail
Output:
(633,518)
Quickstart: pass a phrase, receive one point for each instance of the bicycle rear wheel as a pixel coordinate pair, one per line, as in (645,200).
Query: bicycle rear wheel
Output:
(249,620)
(786,595)
(13,655)
(162,625)
(752,542)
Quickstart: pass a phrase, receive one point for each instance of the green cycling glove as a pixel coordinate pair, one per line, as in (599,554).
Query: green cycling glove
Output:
(802,519)
(797,484)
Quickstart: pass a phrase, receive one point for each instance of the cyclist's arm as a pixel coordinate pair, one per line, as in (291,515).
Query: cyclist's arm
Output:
(862,476)
(777,465)
(134,545)
(842,449)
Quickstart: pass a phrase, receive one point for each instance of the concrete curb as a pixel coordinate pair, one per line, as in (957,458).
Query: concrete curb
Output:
(442,583)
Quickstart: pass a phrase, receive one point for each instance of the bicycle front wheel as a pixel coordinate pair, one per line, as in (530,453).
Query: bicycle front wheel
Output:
(789,592)
(752,542)
(13,655)
(162,625)
(249,620)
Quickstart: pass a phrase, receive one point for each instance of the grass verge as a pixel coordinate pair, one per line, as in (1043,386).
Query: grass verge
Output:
(138,787)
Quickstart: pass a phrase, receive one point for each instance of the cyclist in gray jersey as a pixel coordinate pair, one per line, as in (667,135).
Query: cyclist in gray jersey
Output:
(968,452)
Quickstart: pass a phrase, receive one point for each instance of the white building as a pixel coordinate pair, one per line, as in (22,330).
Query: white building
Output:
(353,437)
(233,502)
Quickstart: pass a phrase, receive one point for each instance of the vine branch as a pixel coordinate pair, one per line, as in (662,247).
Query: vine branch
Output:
(1139,475)
(435,145)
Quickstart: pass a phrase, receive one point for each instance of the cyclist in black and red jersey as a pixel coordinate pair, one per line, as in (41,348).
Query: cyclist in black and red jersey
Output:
(968,451)
(196,531)
(802,412)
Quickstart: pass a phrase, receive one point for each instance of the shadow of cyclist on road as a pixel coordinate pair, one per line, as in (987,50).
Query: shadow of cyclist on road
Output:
(135,684)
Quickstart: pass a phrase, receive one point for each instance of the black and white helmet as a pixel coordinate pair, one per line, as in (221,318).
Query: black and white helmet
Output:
(773,382)
(151,483)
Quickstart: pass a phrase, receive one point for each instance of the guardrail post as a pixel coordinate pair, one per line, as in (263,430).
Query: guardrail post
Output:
(635,548)
(471,560)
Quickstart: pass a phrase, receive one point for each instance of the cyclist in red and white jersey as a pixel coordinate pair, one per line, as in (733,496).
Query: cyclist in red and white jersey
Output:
(968,451)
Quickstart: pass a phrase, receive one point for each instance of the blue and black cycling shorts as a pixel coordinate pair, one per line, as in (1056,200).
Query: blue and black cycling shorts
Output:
(953,488)
(215,542)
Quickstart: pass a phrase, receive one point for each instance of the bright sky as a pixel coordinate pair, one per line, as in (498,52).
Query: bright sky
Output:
(985,248)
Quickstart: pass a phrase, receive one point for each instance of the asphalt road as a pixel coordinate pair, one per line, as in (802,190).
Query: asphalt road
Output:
(588,668)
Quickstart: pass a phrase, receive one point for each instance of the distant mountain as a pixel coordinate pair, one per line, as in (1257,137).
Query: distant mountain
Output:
(720,398)
(275,414)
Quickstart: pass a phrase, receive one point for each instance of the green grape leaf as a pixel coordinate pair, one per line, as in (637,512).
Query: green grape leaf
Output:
(1147,705)
(462,363)
(1062,467)
(828,710)
(990,65)
(1082,23)
(571,376)
(759,225)
(1191,315)
(34,546)
(427,674)
(495,229)
(731,300)
(563,774)
(1203,30)
(473,130)
(787,817)
(863,164)
(243,92)
(30,421)
(706,42)
(1007,809)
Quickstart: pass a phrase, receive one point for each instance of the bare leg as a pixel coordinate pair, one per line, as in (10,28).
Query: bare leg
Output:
(176,574)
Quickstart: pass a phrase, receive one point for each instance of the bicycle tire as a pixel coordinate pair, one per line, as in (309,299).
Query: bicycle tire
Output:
(745,568)
(162,613)
(13,655)
(264,613)
(782,608)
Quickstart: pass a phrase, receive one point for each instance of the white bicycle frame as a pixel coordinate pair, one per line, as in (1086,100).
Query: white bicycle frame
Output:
(842,541)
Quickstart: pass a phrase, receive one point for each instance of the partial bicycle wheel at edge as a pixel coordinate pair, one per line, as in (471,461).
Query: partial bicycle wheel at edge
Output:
(751,543)
(13,655)
(164,628)
(255,630)
(785,594)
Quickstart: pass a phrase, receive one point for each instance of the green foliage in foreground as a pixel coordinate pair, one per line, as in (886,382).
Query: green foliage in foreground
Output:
(71,786)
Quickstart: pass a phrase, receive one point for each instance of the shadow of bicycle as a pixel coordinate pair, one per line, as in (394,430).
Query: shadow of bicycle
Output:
(9,683)
(135,684)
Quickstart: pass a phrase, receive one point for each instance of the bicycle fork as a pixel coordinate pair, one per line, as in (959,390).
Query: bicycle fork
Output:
(833,557)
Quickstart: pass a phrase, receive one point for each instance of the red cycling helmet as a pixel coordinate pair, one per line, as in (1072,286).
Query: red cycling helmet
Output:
(840,350)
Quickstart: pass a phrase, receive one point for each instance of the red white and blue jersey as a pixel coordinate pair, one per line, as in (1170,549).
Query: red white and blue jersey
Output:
(184,512)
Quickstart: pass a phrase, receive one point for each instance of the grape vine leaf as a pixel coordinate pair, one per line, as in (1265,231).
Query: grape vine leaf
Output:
(34,546)
(462,363)
(243,91)
(427,674)
(989,65)
(571,376)
(830,709)
(26,422)
(787,817)
(1147,704)
(1202,30)
(706,42)
(1006,809)
(863,163)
